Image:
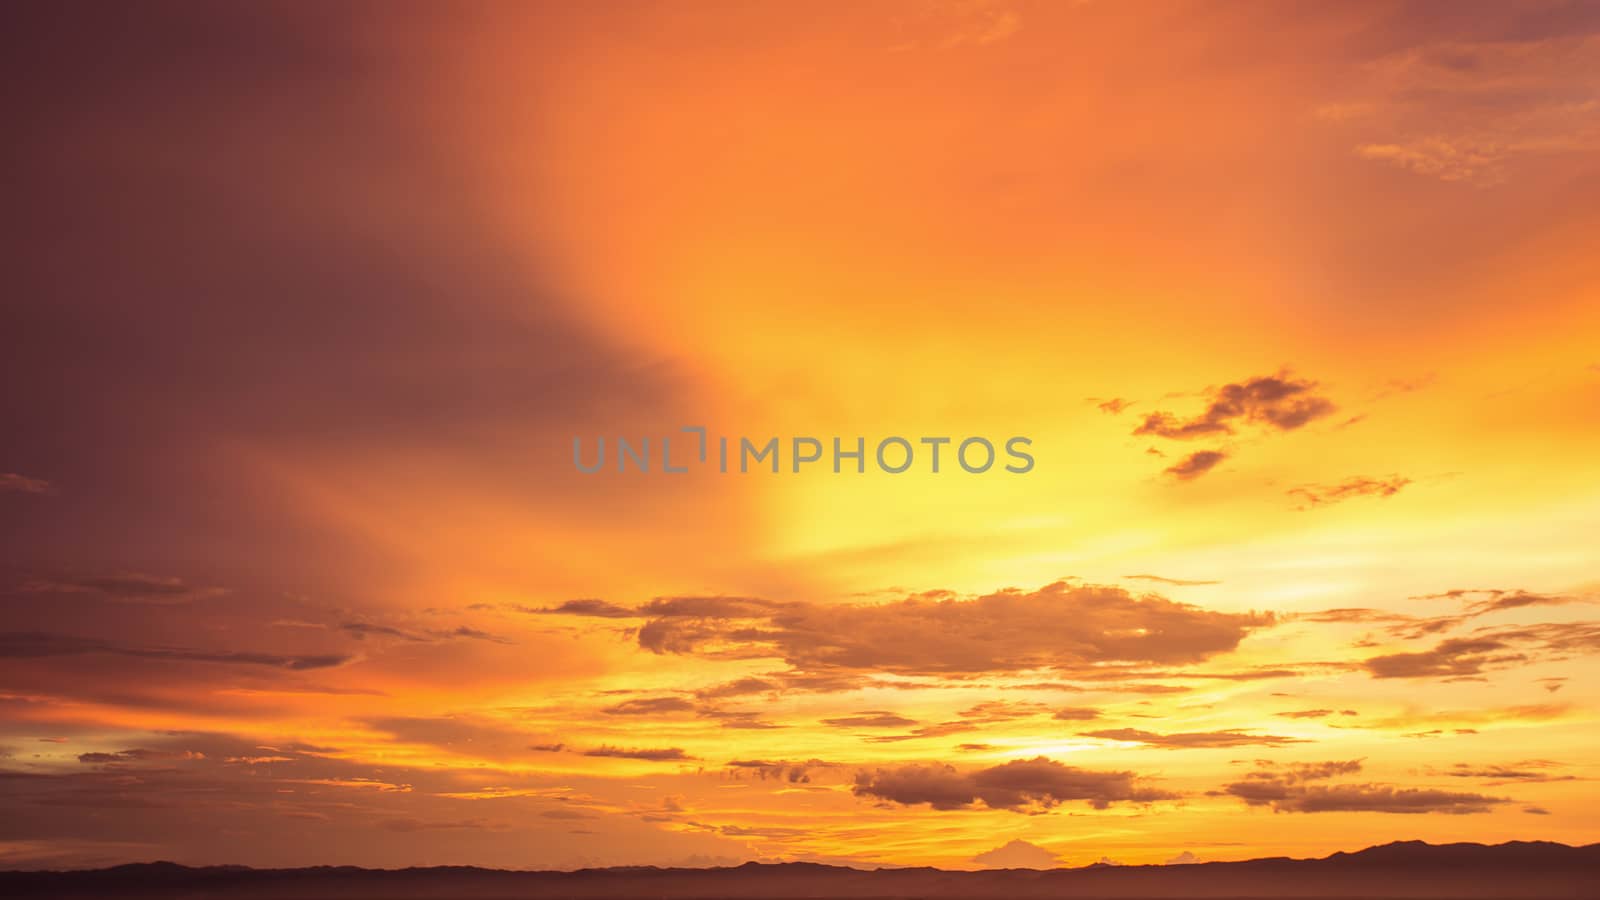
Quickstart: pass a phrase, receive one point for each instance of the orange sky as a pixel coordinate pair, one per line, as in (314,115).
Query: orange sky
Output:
(1296,305)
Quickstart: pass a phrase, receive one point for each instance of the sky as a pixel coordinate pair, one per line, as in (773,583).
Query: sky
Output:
(1295,305)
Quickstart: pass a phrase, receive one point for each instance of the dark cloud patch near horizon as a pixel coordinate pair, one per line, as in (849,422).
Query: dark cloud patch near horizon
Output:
(1061,626)
(1532,771)
(781,770)
(1192,740)
(34,645)
(1021,785)
(1489,649)
(136,755)
(1450,658)
(1379,798)
(587,606)
(648,706)
(661,754)
(123,587)
(737,688)
(363,630)
(1292,789)
(870,719)
(1275,402)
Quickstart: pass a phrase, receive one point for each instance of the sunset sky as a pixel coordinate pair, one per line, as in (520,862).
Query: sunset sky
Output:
(1299,305)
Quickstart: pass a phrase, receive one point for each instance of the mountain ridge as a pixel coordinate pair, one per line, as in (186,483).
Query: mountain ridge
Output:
(1400,869)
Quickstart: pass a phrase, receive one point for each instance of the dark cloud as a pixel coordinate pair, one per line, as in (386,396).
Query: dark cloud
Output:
(32,645)
(646,706)
(781,770)
(737,688)
(939,729)
(745,719)
(1077,714)
(1277,402)
(1063,626)
(138,754)
(588,607)
(1498,601)
(1002,711)
(1022,785)
(1379,798)
(361,630)
(1287,789)
(1195,464)
(874,719)
(11,482)
(128,587)
(1299,772)
(1114,406)
(1190,740)
(1314,713)
(1528,771)
(665,754)
(1176,582)
(1324,494)
(1454,657)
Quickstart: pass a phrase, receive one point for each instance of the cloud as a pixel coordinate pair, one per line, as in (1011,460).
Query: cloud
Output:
(588,607)
(362,630)
(127,587)
(1177,582)
(1527,771)
(781,770)
(1472,105)
(1061,626)
(666,754)
(1498,601)
(1379,798)
(1017,854)
(1314,713)
(1489,649)
(33,645)
(1277,402)
(876,719)
(1113,407)
(1076,714)
(138,754)
(1327,494)
(1454,657)
(1195,464)
(1299,772)
(1191,740)
(646,706)
(1288,789)
(1021,785)
(737,688)
(11,482)
(1492,601)
(1186,858)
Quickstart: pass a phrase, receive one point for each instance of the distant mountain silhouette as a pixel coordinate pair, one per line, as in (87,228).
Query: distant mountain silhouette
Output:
(1412,869)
